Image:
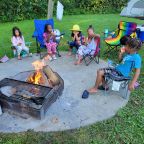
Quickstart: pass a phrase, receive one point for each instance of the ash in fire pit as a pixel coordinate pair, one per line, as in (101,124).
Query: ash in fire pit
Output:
(23,96)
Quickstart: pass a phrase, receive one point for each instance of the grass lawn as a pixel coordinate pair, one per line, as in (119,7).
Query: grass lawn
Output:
(127,127)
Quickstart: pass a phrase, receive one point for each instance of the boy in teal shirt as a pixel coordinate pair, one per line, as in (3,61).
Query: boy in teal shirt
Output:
(131,61)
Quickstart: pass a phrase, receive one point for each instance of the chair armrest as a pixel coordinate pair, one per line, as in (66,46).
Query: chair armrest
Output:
(60,35)
(28,43)
(13,47)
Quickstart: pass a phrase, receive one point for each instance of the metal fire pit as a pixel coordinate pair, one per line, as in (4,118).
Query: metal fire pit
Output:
(26,99)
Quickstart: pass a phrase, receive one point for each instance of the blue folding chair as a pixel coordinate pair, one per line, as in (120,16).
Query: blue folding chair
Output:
(38,34)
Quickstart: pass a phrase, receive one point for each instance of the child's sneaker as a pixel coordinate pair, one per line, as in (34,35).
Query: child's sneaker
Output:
(50,58)
(54,57)
(30,54)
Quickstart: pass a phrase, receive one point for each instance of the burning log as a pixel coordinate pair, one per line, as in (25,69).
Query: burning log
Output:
(38,77)
(43,75)
(53,78)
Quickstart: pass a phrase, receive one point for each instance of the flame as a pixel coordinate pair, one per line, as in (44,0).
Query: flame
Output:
(38,65)
(37,76)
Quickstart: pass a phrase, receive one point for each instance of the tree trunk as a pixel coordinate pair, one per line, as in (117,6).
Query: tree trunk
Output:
(50,9)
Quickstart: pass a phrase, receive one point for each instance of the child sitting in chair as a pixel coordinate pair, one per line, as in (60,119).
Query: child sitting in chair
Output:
(49,40)
(90,45)
(76,39)
(123,42)
(18,42)
(123,69)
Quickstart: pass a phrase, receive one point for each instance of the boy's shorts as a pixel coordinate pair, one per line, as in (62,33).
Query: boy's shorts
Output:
(108,70)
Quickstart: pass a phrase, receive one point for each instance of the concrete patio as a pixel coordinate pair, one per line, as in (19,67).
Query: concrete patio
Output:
(70,111)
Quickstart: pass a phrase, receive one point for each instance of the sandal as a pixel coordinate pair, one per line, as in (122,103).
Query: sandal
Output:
(103,88)
(85,94)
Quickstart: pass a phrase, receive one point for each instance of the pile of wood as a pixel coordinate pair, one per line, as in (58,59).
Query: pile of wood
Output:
(45,77)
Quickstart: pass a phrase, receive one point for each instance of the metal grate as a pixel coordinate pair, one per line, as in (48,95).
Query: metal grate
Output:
(26,91)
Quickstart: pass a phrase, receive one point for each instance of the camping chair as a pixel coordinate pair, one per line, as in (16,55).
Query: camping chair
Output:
(112,79)
(38,34)
(107,33)
(88,58)
(23,53)
(124,29)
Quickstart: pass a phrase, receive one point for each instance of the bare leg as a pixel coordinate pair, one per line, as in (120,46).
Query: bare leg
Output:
(19,57)
(79,60)
(103,82)
(19,50)
(70,52)
(48,56)
(53,48)
(99,80)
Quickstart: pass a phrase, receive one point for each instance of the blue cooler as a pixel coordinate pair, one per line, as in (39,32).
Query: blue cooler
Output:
(141,33)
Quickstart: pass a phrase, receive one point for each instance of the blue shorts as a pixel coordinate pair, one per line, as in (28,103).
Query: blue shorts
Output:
(74,44)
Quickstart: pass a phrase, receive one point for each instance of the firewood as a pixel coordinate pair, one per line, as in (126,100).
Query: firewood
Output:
(51,75)
(42,79)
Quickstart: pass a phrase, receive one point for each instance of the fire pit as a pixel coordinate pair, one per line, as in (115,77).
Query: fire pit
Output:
(23,98)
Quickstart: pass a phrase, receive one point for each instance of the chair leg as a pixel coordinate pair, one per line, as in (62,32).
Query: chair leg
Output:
(90,59)
(38,49)
(111,49)
(84,58)
(37,46)
(107,82)
(98,57)
(125,93)
(124,87)
(58,52)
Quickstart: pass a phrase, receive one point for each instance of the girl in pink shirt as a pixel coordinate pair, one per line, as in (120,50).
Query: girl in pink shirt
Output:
(18,42)
(49,40)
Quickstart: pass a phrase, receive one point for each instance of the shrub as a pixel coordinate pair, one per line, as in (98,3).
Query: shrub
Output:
(28,9)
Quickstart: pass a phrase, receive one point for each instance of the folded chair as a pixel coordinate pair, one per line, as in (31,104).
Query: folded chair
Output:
(38,34)
(124,82)
(88,58)
(124,29)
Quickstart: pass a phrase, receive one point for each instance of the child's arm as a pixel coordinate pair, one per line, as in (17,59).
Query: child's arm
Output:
(77,38)
(23,41)
(46,37)
(135,78)
(73,38)
(121,53)
(53,36)
(96,35)
(86,40)
(120,56)
(14,41)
